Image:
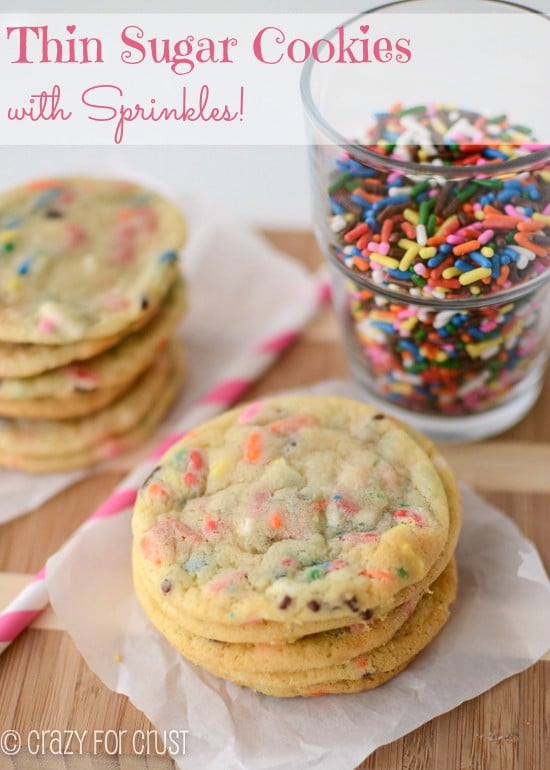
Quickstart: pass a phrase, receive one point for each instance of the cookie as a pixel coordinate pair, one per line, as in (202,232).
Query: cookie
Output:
(303,511)
(111,445)
(83,258)
(72,386)
(363,671)
(47,438)
(311,641)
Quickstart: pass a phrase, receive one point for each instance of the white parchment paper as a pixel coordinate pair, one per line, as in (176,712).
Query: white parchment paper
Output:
(500,625)
(241,291)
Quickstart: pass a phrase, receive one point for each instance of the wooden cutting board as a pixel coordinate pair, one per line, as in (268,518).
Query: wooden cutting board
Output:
(46,686)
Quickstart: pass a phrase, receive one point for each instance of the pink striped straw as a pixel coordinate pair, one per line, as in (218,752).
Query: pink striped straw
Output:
(33,599)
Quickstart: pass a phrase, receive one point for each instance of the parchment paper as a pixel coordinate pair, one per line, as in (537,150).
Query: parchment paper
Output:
(500,625)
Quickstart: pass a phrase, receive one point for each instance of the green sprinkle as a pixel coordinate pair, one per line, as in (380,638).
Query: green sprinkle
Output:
(418,280)
(339,183)
(314,574)
(419,188)
(402,572)
(432,224)
(521,129)
(420,335)
(467,192)
(411,110)
(8,246)
(497,119)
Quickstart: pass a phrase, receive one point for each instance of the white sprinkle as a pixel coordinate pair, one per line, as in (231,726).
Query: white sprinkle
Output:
(421,235)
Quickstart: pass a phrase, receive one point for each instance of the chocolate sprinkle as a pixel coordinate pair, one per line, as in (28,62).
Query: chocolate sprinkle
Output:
(313,606)
(285,602)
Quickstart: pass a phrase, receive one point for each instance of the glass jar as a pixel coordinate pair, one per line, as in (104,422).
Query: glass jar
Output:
(435,219)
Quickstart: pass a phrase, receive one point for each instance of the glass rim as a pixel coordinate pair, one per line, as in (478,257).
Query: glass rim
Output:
(472,302)
(360,152)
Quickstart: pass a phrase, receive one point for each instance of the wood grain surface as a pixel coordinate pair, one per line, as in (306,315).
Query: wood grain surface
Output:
(46,685)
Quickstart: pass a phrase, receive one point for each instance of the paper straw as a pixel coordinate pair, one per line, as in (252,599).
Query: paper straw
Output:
(33,599)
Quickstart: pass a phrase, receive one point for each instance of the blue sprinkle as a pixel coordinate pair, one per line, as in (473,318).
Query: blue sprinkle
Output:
(533,192)
(24,267)
(492,154)
(195,564)
(437,260)
(505,196)
(384,326)
(336,497)
(12,224)
(403,274)
(405,344)
(479,259)
(495,272)
(337,208)
(168,256)
(445,248)
(45,198)
(477,334)
(462,265)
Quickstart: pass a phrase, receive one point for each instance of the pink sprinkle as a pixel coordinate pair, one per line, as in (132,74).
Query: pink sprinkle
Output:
(488,326)
(420,269)
(381,248)
(393,177)
(485,237)
(246,416)
(336,564)
(546,210)
(512,211)
(360,537)
(74,235)
(455,239)
(46,325)
(225,581)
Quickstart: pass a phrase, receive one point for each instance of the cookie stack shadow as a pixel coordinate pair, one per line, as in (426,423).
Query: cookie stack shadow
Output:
(322,563)
(90,299)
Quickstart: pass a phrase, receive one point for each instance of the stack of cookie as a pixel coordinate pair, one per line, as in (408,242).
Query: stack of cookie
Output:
(90,295)
(299,546)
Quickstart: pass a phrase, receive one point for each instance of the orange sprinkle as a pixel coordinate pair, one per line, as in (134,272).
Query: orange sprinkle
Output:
(253,447)
(276,520)
(523,240)
(42,184)
(361,264)
(466,248)
(531,227)
(501,222)
(362,662)
(291,424)
(157,490)
(376,574)
(503,277)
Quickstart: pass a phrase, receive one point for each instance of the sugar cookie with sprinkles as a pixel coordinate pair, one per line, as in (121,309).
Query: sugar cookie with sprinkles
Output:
(292,518)
(115,368)
(48,446)
(83,258)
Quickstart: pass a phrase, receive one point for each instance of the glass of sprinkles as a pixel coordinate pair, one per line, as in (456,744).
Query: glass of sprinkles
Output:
(431,185)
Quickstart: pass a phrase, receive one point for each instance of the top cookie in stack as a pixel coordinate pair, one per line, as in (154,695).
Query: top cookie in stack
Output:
(90,294)
(299,545)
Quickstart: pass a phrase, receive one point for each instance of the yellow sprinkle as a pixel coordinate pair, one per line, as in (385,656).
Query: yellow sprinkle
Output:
(487,251)
(506,309)
(411,216)
(476,349)
(541,218)
(441,356)
(219,468)
(474,275)
(8,235)
(401,387)
(415,562)
(409,323)
(514,331)
(13,283)
(451,272)
(545,176)
(408,257)
(423,155)
(405,243)
(479,215)
(475,290)
(380,259)
(428,252)
(439,125)
(117,657)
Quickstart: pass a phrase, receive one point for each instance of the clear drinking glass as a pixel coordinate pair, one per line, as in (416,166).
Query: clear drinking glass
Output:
(431,185)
